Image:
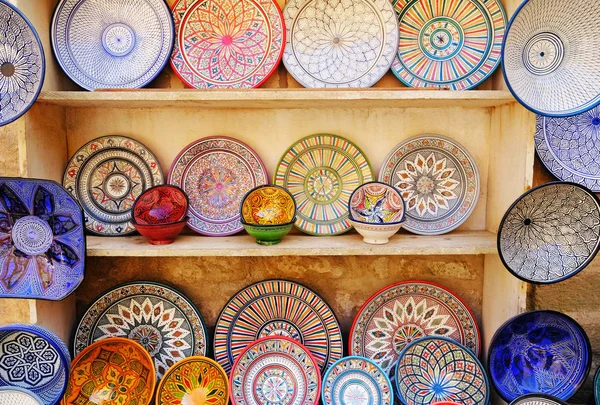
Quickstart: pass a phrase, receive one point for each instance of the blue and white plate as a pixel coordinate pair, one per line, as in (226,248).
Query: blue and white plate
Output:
(20,396)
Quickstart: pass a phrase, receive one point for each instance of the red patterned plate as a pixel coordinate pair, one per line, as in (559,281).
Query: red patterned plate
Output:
(163,204)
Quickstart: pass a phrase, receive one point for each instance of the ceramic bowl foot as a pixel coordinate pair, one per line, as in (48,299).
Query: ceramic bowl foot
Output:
(268,242)
(161,242)
(376,241)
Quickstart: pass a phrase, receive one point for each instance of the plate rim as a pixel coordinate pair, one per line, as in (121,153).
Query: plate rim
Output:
(538,395)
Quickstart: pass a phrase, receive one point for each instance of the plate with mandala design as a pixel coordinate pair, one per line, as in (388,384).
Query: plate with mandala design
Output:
(439,182)
(14,395)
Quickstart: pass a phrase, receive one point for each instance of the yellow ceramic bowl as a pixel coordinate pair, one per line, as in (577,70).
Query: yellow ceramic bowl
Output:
(268,205)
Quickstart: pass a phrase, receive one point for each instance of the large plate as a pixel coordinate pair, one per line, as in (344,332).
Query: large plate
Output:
(160,318)
(107,175)
(112,44)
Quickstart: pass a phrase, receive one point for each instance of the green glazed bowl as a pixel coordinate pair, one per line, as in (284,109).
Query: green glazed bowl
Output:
(268,234)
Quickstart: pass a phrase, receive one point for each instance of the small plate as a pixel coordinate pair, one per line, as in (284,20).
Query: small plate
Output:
(164,204)
(20,396)
(376,203)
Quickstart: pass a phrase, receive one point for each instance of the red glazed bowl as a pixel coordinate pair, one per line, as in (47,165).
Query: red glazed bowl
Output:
(164,204)
(161,234)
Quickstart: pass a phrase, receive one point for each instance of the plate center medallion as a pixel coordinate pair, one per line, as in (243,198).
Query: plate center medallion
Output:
(118,39)
(275,389)
(355,393)
(7,69)
(442,38)
(280,328)
(323,185)
(405,335)
(117,186)
(543,53)
(147,336)
(32,235)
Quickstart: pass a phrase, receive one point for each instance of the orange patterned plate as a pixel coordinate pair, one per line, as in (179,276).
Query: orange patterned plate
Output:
(268,205)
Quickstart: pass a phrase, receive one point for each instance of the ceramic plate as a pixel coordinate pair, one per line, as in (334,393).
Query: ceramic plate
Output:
(194,380)
(20,396)
(107,175)
(539,352)
(376,203)
(216,173)
(277,308)
(356,380)
(550,233)
(42,240)
(103,44)
(454,45)
(439,182)
(22,64)
(268,205)
(597,386)
(161,319)
(321,171)
(402,313)
(436,369)
(332,43)
(275,370)
(164,204)
(227,43)
(545,62)
(537,399)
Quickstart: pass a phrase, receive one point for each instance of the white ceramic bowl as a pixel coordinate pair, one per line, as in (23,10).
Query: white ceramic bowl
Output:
(376,234)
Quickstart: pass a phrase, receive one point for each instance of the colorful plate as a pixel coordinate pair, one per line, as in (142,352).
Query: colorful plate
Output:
(356,380)
(216,173)
(339,44)
(164,204)
(194,381)
(454,45)
(275,370)
(103,44)
(22,64)
(550,233)
(539,352)
(268,205)
(321,171)
(376,203)
(227,43)
(277,308)
(404,312)
(537,399)
(107,175)
(20,396)
(161,319)
(439,182)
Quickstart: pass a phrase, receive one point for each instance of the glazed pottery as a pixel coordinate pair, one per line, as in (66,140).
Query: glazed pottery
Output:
(268,205)
(107,175)
(376,234)
(542,352)
(103,44)
(331,43)
(160,318)
(164,204)
(18,396)
(550,233)
(537,399)
(113,371)
(161,234)
(439,182)
(227,43)
(277,308)
(404,312)
(268,234)
(597,386)
(22,64)
(42,240)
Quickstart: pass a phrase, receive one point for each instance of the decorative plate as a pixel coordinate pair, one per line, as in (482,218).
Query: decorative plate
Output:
(376,203)
(454,45)
(333,43)
(227,43)
(22,64)
(216,173)
(107,175)
(20,396)
(597,386)
(42,240)
(544,64)
(268,205)
(105,44)
(275,370)
(113,371)
(537,399)
(321,172)
(570,147)
(164,204)
(439,182)
(194,380)
(356,380)
(35,359)
(404,312)
(550,233)
(161,319)
(436,369)
(539,352)
(277,308)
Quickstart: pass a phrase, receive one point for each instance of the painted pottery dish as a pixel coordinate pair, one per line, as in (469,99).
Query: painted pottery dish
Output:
(597,386)
(114,371)
(570,147)
(268,234)
(107,175)
(22,64)
(539,352)
(537,399)
(321,172)
(227,43)
(277,308)
(42,240)
(434,369)
(376,203)
(35,359)
(544,64)
(404,312)
(275,370)
(439,182)
(164,204)
(454,45)
(330,43)
(356,380)
(268,205)
(160,318)
(161,234)
(550,233)
(216,173)
(194,381)
(103,44)
(20,396)
(376,234)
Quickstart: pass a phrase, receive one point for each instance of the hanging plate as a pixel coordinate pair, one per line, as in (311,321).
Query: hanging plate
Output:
(20,396)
